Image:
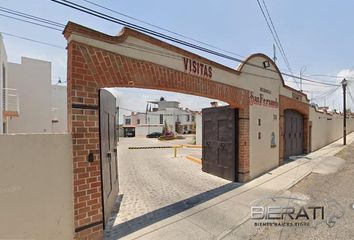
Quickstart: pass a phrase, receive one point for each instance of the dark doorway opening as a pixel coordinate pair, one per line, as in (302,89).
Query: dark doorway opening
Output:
(293,133)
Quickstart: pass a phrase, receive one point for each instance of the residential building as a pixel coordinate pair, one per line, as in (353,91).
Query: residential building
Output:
(59,109)
(3,72)
(43,105)
(198,129)
(158,113)
(9,102)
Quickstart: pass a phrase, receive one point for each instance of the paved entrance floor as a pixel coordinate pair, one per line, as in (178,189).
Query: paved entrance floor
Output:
(225,215)
(155,186)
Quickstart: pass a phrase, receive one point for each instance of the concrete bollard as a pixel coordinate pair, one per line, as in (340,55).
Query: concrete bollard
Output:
(175,150)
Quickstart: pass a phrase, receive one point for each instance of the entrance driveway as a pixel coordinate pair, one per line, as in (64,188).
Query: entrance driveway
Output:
(155,186)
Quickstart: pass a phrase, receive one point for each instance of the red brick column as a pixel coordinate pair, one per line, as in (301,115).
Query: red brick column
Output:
(244,145)
(84,124)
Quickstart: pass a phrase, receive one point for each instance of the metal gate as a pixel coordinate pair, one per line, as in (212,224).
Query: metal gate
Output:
(220,146)
(293,134)
(108,146)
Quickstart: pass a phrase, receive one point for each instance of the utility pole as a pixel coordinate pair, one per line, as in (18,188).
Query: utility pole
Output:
(274,53)
(344,85)
(302,70)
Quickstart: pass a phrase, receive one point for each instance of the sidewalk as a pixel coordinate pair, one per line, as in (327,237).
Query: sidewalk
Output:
(218,217)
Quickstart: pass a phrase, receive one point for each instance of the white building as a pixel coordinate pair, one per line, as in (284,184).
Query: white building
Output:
(9,102)
(59,109)
(43,105)
(29,103)
(158,114)
(198,129)
(3,68)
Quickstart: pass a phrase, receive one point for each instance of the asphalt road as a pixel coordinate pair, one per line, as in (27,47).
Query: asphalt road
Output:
(334,191)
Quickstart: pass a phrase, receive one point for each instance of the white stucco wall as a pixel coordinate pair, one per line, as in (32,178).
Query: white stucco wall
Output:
(143,130)
(36,195)
(327,128)
(3,62)
(263,156)
(198,129)
(32,79)
(59,109)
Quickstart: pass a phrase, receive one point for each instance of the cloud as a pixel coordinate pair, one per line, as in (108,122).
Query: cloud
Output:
(346,73)
(324,95)
(349,75)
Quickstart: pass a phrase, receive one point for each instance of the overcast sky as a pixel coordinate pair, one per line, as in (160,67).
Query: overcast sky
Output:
(315,34)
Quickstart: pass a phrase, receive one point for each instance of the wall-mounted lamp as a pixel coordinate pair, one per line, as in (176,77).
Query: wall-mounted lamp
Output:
(90,157)
(266,64)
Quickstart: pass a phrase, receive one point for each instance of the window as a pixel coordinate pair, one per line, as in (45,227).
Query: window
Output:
(259,122)
(138,121)
(127,121)
(259,135)
(188,118)
(193,118)
(161,118)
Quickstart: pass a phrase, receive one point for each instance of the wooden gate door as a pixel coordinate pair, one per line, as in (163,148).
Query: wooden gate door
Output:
(220,134)
(108,146)
(294,133)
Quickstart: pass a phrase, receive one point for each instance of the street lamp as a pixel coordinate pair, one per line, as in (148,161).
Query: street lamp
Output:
(344,85)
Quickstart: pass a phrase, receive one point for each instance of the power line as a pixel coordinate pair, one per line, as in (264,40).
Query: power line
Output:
(33,40)
(175,56)
(34,17)
(275,35)
(144,49)
(157,34)
(351,96)
(179,34)
(57,46)
(327,94)
(30,22)
(330,76)
(178,57)
(161,28)
(28,16)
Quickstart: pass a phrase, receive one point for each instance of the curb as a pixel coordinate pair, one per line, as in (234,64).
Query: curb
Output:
(192,146)
(194,159)
(150,147)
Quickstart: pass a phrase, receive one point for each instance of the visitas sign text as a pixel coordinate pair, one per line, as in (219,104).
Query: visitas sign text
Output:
(197,68)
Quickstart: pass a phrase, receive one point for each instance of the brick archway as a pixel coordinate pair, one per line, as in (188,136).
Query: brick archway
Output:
(91,68)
